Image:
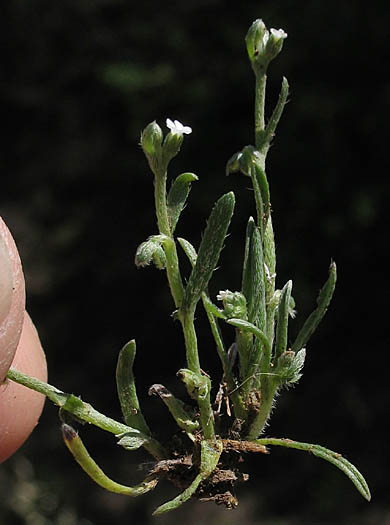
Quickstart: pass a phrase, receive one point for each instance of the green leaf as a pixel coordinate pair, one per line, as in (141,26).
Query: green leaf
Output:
(314,319)
(72,404)
(269,261)
(253,283)
(132,440)
(81,455)
(209,250)
(262,182)
(183,414)
(251,328)
(297,365)
(126,389)
(177,197)
(189,250)
(282,321)
(275,117)
(333,457)
(210,454)
(246,267)
(198,386)
(211,308)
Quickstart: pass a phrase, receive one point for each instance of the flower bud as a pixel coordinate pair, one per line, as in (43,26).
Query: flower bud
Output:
(289,366)
(285,360)
(149,251)
(275,43)
(151,139)
(247,160)
(263,45)
(233,164)
(234,304)
(171,146)
(255,38)
(159,258)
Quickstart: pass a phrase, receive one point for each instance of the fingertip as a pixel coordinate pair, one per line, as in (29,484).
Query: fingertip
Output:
(12,300)
(20,407)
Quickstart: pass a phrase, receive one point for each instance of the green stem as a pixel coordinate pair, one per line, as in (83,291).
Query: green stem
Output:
(173,272)
(259,202)
(207,417)
(261,80)
(238,405)
(191,343)
(83,411)
(268,391)
(160,196)
(172,263)
(186,316)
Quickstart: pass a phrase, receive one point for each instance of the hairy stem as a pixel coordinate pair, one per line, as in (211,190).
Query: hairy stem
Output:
(83,411)
(268,391)
(261,80)
(172,263)
(191,343)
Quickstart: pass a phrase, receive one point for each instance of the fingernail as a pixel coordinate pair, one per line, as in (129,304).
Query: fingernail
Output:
(6,281)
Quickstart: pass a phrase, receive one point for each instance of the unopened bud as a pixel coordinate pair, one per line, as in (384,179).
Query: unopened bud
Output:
(285,360)
(233,164)
(149,251)
(151,139)
(275,43)
(234,304)
(263,45)
(255,38)
(249,157)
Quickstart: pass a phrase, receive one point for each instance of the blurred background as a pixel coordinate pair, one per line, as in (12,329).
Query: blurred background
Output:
(80,79)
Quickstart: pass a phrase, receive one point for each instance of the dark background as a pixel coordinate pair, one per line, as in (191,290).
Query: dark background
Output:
(79,81)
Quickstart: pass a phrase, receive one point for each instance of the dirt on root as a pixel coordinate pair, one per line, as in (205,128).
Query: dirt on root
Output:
(184,465)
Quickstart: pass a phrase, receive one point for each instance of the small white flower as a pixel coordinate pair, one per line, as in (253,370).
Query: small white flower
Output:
(177,127)
(223,295)
(278,34)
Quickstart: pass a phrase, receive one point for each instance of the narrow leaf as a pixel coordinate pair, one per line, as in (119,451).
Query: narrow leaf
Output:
(282,320)
(209,250)
(314,319)
(246,267)
(333,457)
(126,389)
(81,455)
(183,414)
(253,279)
(262,182)
(210,454)
(275,117)
(269,261)
(189,250)
(177,197)
(245,326)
